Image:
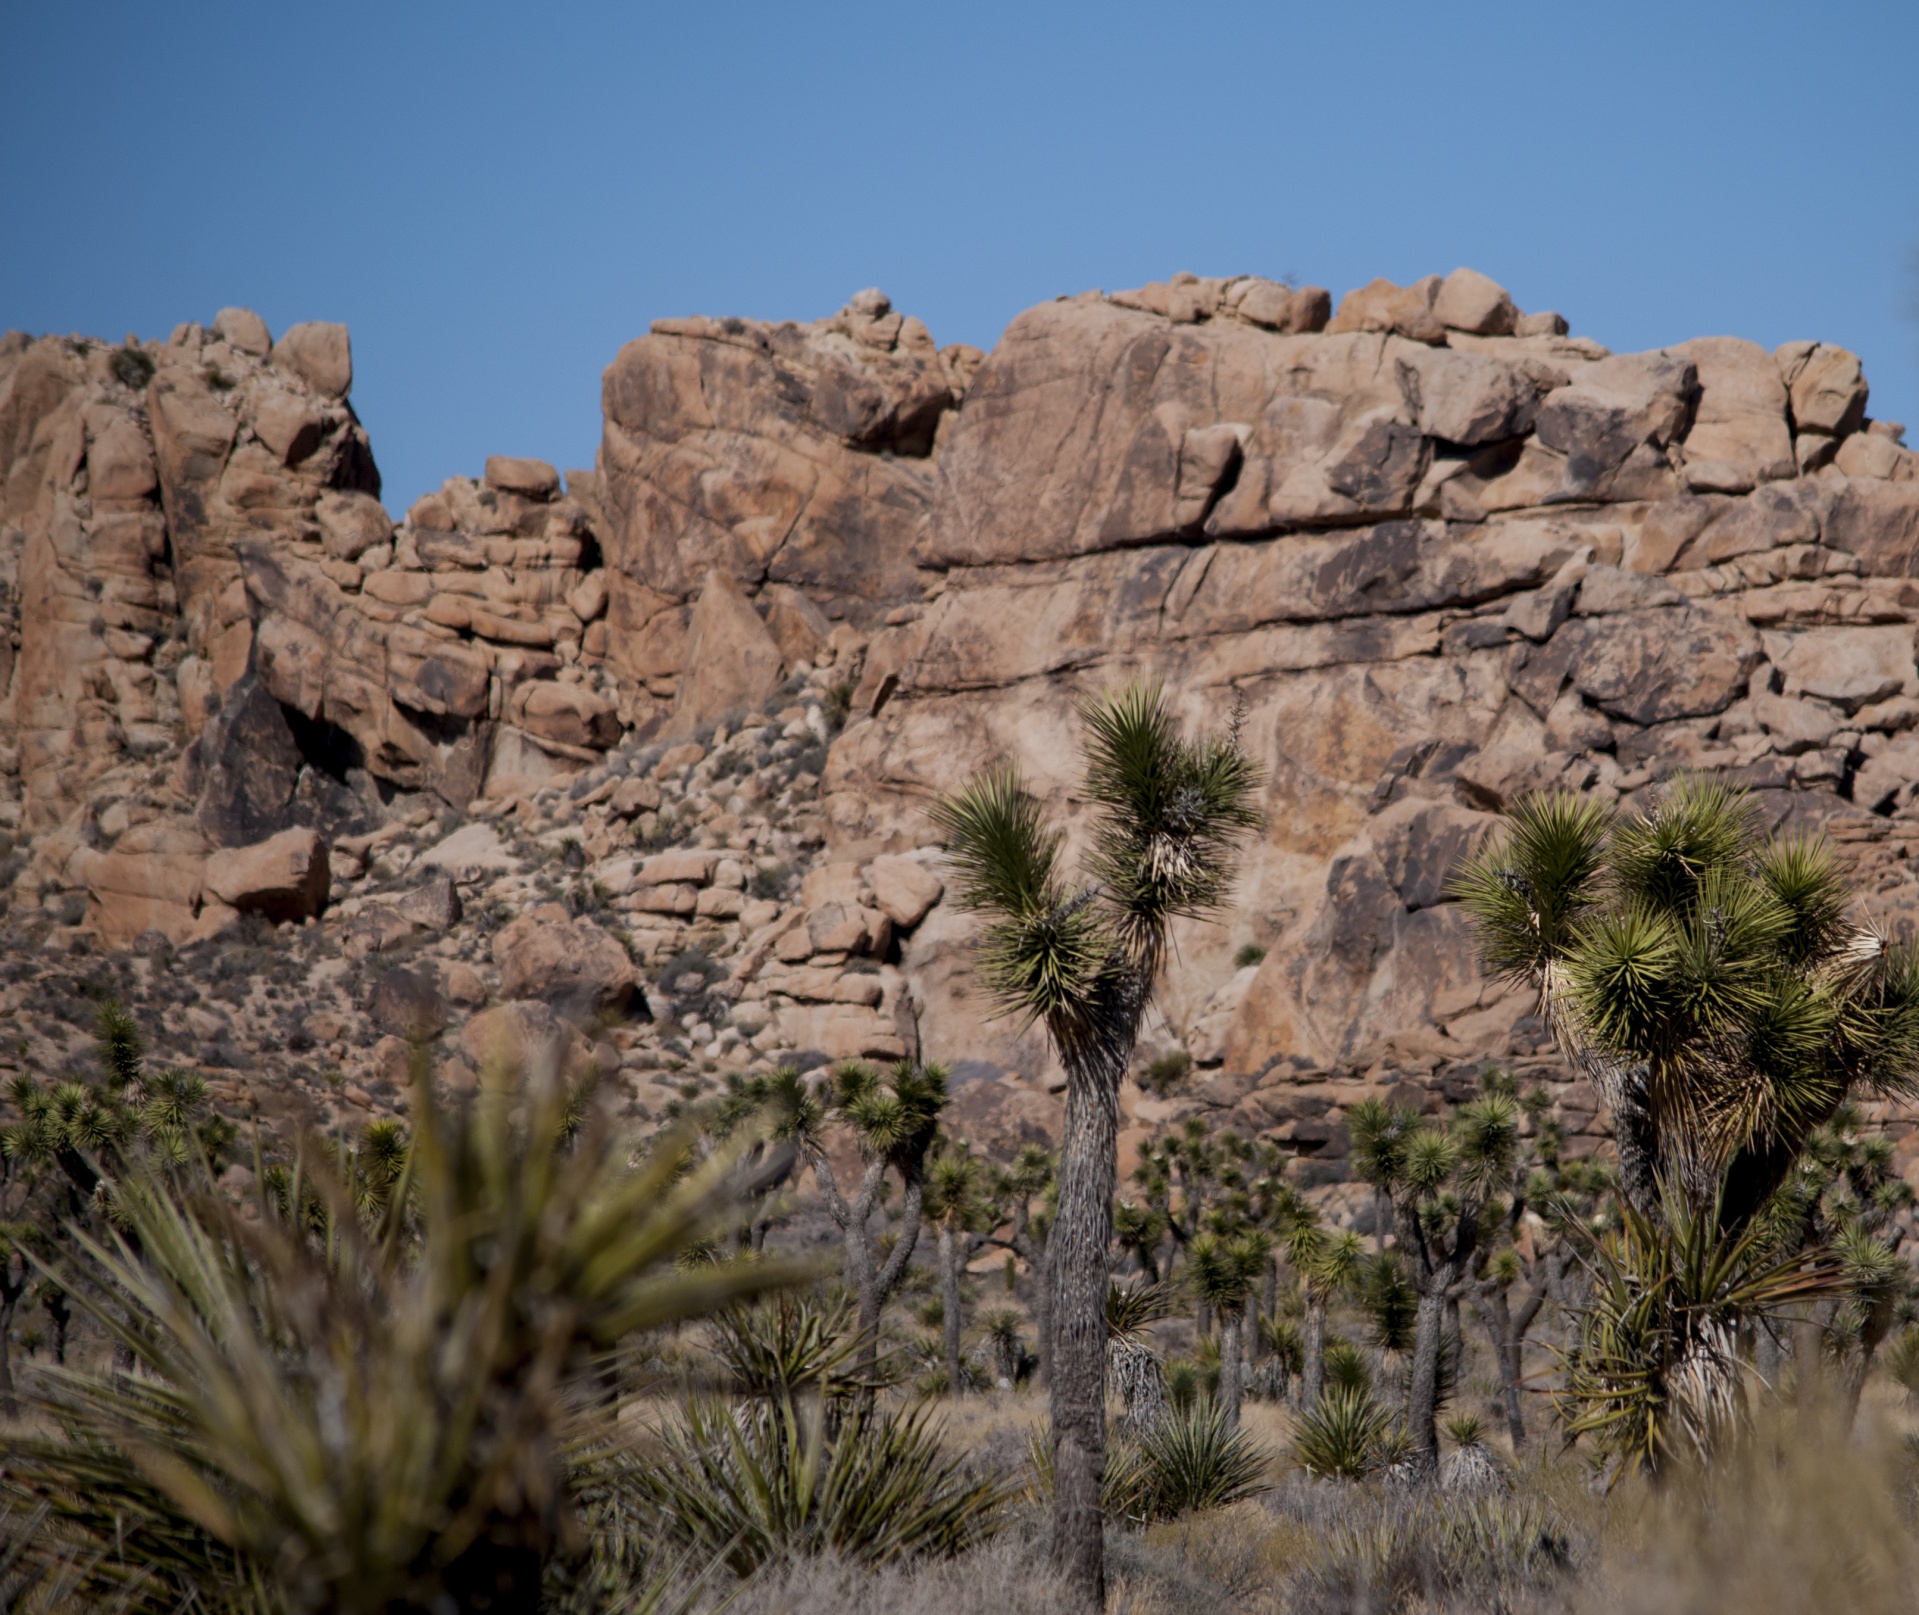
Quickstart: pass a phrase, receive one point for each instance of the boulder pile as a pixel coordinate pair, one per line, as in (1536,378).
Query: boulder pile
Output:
(639,757)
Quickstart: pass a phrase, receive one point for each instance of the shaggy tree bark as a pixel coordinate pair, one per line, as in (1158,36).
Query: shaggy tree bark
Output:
(1077,1252)
(1312,1356)
(1231,1387)
(952,1250)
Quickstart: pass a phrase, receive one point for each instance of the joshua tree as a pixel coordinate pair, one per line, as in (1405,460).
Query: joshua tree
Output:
(956,1201)
(1082,959)
(1325,1266)
(895,1121)
(1441,1181)
(1556,1204)
(1224,1271)
(1015,1190)
(1710,981)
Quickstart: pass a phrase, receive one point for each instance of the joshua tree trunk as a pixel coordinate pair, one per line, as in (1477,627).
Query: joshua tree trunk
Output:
(8,1405)
(1497,1315)
(1229,1383)
(1312,1356)
(950,1304)
(1043,1309)
(60,1313)
(873,1281)
(1077,1255)
(1422,1384)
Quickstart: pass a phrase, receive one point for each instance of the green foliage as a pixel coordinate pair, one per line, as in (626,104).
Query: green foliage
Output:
(1249,954)
(1902,1361)
(1282,1340)
(788,1344)
(1346,1368)
(1345,1435)
(1709,977)
(775,1479)
(1222,1271)
(1193,1461)
(1167,814)
(1133,1308)
(363,1418)
(1166,1072)
(1656,1370)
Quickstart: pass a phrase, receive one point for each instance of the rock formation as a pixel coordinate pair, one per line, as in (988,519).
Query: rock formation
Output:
(1433,550)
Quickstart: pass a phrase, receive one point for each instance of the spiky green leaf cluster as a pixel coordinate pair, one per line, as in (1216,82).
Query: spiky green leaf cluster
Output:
(1168,813)
(1656,1370)
(1726,968)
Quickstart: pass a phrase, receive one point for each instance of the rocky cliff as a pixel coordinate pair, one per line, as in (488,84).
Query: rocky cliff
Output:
(1437,552)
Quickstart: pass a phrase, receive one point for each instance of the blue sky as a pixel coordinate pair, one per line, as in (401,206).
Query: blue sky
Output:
(494,198)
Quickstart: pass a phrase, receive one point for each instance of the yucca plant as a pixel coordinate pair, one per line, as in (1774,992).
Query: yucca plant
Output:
(1708,980)
(1656,1371)
(1198,1461)
(1345,1435)
(1132,1368)
(365,1421)
(768,1480)
(789,1344)
(958,1201)
(1082,959)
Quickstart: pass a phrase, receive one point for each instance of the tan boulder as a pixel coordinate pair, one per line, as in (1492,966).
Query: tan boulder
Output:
(285,877)
(1739,435)
(1470,301)
(319,354)
(732,662)
(569,963)
(351,524)
(903,889)
(1827,384)
(569,714)
(532,479)
(242,329)
(154,879)
(1381,306)
(510,1036)
(120,462)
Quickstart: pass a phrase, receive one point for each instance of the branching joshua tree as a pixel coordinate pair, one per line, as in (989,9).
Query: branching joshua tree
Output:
(1027,1195)
(1712,982)
(1223,1272)
(895,1121)
(1442,1181)
(960,1208)
(1325,1264)
(1081,958)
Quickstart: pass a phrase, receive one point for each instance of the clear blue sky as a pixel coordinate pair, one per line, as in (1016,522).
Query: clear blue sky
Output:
(494,198)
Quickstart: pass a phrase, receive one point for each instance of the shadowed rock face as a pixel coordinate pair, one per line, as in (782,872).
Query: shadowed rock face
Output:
(1432,549)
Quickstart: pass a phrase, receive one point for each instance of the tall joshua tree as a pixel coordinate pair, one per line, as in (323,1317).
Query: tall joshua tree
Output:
(957,1203)
(895,1120)
(1081,958)
(1710,980)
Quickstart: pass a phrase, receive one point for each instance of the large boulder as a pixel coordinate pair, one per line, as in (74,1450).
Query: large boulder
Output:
(570,964)
(285,877)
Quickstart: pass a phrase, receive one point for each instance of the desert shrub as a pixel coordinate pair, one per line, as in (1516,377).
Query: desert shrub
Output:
(791,1343)
(1392,1554)
(1347,1368)
(1196,1462)
(1344,1435)
(1251,954)
(1163,1074)
(769,1480)
(362,1417)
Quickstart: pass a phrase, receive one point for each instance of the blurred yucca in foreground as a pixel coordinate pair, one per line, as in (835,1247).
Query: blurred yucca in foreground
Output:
(362,1417)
